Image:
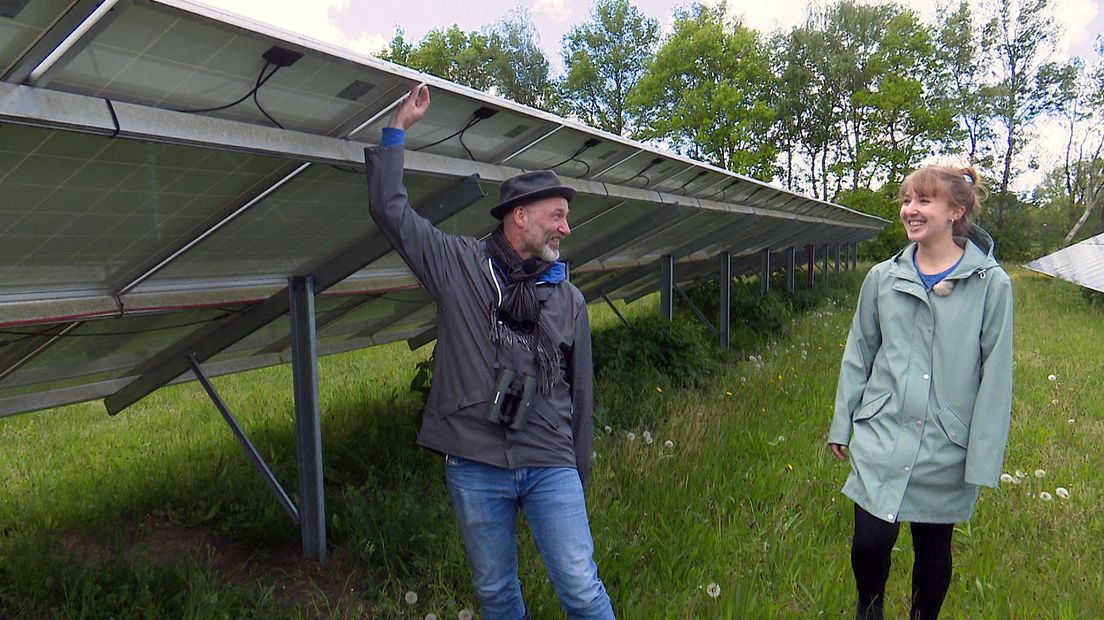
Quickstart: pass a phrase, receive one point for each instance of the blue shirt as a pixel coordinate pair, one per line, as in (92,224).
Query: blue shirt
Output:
(392,136)
(931,280)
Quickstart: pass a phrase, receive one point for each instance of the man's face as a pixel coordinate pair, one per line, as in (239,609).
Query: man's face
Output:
(545,224)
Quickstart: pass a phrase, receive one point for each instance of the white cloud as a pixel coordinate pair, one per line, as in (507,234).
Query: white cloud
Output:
(555,10)
(309,19)
(1074,19)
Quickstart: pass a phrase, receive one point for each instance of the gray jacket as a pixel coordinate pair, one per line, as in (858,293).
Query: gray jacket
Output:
(457,272)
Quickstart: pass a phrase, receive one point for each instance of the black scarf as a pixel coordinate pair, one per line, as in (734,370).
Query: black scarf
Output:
(517,319)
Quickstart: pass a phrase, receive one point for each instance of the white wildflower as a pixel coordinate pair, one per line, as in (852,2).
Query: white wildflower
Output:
(1046,497)
(713,590)
(781,438)
(1062,492)
(648,438)
(1070,421)
(1052,378)
(411,598)
(1054,402)
(631,436)
(431,617)
(1006,478)
(1020,474)
(668,444)
(466,614)
(608,429)
(1039,473)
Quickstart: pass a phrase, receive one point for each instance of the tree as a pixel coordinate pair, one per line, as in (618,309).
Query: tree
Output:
(708,93)
(520,68)
(505,59)
(960,80)
(604,60)
(1022,37)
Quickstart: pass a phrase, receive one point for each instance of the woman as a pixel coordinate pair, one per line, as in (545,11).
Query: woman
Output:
(925,389)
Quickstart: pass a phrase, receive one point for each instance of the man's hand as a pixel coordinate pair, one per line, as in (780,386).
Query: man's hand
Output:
(839,450)
(412,108)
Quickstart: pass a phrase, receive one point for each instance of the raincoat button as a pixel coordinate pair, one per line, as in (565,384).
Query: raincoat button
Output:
(919,422)
(890,515)
(926,376)
(907,469)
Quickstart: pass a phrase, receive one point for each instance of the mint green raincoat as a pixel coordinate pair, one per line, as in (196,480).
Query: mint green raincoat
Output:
(925,389)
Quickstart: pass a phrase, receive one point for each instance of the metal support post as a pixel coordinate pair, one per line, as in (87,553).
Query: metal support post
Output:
(308,423)
(765,270)
(825,246)
(791,269)
(810,258)
(250,450)
(836,251)
(667,286)
(724,321)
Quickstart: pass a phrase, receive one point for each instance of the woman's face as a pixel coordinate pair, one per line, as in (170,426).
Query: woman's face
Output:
(928,219)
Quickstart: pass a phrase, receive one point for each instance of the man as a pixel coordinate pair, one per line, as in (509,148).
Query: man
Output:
(511,401)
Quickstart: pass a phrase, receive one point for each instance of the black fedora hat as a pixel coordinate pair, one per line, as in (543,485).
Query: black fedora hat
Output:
(529,187)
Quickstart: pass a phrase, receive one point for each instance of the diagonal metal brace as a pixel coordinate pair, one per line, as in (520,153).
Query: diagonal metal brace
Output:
(215,338)
(250,450)
(696,310)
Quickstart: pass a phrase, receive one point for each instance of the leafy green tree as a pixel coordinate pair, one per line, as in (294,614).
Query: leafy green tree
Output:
(604,59)
(520,69)
(1022,37)
(960,80)
(505,59)
(709,93)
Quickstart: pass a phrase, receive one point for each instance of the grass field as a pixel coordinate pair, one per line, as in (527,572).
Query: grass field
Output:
(157,512)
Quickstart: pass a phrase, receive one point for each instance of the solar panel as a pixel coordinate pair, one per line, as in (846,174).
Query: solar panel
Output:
(1081,263)
(137,201)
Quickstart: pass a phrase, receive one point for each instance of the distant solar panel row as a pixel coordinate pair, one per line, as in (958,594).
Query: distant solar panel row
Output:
(131,222)
(1081,263)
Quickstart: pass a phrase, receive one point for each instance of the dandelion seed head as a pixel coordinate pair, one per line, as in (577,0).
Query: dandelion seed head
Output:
(1006,477)
(631,436)
(1039,473)
(1046,497)
(1062,492)
(411,598)
(466,614)
(1054,402)
(608,429)
(668,444)
(1070,421)
(1052,378)
(713,590)
(1020,474)
(781,438)
(431,617)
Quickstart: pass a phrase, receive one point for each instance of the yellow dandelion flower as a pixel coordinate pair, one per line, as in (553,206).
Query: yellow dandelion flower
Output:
(659,389)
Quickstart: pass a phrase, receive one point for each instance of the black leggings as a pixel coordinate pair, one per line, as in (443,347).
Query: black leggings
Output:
(931,569)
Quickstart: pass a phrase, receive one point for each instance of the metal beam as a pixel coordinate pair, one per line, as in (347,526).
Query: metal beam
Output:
(836,250)
(697,311)
(666,286)
(791,269)
(715,236)
(619,280)
(824,271)
(764,270)
(325,319)
(627,233)
(247,445)
(724,321)
(66,24)
(810,258)
(214,338)
(308,417)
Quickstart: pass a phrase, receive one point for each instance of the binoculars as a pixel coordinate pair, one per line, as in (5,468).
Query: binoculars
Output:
(512,399)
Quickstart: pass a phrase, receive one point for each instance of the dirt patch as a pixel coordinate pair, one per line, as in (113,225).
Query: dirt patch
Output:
(293,579)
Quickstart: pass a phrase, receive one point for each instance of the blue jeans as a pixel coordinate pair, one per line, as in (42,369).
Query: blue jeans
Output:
(486,500)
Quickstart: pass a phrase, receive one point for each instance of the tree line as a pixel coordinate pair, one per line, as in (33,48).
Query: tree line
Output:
(840,107)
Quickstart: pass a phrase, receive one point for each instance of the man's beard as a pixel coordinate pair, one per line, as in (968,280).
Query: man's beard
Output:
(548,254)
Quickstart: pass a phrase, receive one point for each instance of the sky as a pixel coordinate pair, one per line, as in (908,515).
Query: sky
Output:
(366,26)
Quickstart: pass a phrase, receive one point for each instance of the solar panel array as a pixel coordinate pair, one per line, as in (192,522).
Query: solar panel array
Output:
(139,211)
(1081,263)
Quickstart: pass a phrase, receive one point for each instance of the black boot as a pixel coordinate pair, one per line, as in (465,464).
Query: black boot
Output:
(873,611)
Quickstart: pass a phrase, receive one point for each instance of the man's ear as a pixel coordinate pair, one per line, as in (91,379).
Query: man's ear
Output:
(520,215)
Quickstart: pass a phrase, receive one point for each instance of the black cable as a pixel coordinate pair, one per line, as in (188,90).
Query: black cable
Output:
(724,189)
(471,123)
(261,79)
(692,179)
(114,117)
(656,161)
(257,102)
(589,144)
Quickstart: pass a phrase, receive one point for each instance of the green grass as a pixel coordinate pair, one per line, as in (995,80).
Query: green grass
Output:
(157,512)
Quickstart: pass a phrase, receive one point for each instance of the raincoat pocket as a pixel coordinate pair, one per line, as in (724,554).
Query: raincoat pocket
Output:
(871,409)
(954,427)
